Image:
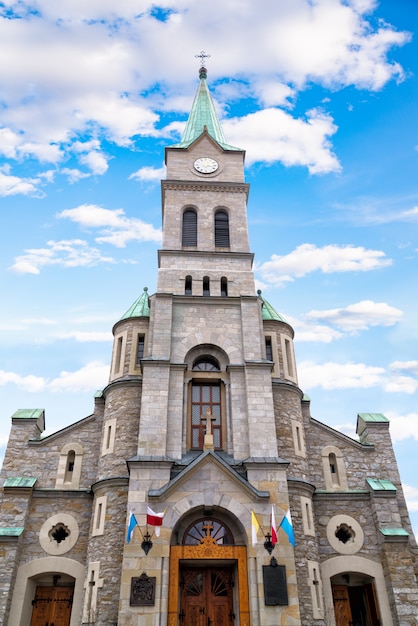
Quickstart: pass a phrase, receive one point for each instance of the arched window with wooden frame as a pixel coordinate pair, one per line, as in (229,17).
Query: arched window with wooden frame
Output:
(222,229)
(189,228)
(206,402)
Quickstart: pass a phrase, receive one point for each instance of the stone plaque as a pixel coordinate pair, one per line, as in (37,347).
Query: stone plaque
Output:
(143,590)
(275,586)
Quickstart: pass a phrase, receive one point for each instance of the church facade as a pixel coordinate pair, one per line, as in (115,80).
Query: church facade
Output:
(203,429)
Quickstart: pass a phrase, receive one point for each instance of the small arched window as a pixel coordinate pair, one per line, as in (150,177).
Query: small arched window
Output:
(224,287)
(206,286)
(206,364)
(208,527)
(188,286)
(221,229)
(69,467)
(189,231)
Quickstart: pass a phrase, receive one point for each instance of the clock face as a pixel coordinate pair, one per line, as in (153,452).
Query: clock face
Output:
(206,165)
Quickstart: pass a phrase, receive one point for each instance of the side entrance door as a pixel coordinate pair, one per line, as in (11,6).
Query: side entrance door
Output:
(206,597)
(52,606)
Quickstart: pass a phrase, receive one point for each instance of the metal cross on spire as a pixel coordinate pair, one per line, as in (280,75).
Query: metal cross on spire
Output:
(202,56)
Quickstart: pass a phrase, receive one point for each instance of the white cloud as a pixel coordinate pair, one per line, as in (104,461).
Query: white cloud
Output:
(96,161)
(92,376)
(359,316)
(65,253)
(308,258)
(410,214)
(403,377)
(306,331)
(27,383)
(405,366)
(403,426)
(106,70)
(339,375)
(401,384)
(13,185)
(74,174)
(274,135)
(411,496)
(149,174)
(116,228)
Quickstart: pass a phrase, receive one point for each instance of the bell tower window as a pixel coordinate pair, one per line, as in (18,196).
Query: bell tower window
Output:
(224,287)
(221,229)
(188,286)
(206,286)
(189,231)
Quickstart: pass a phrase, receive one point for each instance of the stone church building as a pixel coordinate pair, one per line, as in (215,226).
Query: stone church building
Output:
(203,421)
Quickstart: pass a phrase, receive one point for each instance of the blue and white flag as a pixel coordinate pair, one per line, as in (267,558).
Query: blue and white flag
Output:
(131,525)
(286,525)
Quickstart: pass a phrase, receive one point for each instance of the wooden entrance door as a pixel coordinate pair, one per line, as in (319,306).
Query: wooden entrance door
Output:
(52,606)
(355,605)
(342,608)
(206,598)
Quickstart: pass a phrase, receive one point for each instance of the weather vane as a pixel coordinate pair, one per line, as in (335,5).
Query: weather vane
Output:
(202,56)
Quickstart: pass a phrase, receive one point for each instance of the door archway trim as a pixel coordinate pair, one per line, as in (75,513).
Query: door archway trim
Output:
(24,590)
(340,564)
(208,550)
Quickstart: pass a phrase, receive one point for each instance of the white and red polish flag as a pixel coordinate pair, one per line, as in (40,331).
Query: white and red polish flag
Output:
(155,519)
(273,528)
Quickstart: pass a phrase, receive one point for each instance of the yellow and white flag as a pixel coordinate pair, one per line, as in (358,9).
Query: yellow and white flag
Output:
(255,527)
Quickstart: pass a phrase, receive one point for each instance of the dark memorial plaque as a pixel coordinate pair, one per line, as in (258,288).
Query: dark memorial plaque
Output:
(143,590)
(275,586)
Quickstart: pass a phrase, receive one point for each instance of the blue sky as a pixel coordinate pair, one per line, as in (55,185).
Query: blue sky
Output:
(323,97)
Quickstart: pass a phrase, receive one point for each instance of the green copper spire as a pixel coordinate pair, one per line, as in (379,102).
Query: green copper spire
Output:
(203,118)
(140,307)
(268,312)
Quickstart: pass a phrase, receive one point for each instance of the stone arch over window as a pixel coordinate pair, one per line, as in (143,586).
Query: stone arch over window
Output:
(206,382)
(334,469)
(189,227)
(69,466)
(222,229)
(189,529)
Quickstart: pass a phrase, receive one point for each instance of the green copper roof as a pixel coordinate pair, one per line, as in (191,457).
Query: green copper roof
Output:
(11,532)
(140,307)
(203,117)
(269,312)
(28,414)
(373,417)
(20,481)
(394,532)
(380,484)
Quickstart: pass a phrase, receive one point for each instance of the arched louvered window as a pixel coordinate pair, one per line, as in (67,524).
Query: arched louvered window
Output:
(206,286)
(224,286)
(221,229)
(189,232)
(188,286)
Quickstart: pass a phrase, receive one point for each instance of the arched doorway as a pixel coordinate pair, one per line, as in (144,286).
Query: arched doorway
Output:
(354,597)
(208,576)
(53,600)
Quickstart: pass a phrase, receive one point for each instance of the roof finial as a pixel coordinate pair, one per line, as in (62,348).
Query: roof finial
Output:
(202,56)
